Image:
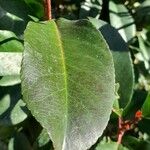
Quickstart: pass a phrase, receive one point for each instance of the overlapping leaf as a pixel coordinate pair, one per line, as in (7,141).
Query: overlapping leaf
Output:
(19,141)
(10,63)
(13,16)
(122,20)
(9,42)
(142,14)
(146,107)
(108,144)
(12,109)
(122,60)
(91,8)
(10,80)
(36,7)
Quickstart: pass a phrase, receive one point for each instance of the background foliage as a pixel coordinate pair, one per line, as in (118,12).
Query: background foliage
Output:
(117,20)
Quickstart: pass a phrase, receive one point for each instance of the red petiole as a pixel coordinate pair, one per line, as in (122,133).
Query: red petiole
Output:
(47,9)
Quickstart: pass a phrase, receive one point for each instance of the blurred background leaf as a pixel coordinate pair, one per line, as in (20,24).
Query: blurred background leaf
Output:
(19,142)
(107,144)
(122,20)
(122,61)
(12,109)
(91,8)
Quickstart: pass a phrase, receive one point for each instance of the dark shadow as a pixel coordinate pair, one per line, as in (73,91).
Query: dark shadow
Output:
(10,39)
(21,142)
(105,11)
(18,9)
(93,12)
(15,7)
(136,103)
(15,95)
(47,146)
(113,38)
(15,26)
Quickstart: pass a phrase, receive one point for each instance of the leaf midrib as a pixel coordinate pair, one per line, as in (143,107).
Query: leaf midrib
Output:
(58,34)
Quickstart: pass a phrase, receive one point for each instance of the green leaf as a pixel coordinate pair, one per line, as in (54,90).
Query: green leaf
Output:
(122,60)
(19,142)
(12,109)
(146,107)
(43,141)
(132,142)
(142,14)
(67,69)
(122,20)
(6,132)
(144,52)
(13,16)
(91,8)
(10,80)
(10,63)
(109,145)
(43,138)
(124,75)
(36,7)
(116,107)
(9,42)
(3,146)
(136,103)
(144,126)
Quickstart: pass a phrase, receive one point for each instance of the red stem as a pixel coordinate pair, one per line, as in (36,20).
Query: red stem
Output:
(47,9)
(120,136)
(126,125)
(120,131)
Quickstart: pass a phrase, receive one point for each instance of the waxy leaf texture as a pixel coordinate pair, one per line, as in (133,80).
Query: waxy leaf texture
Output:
(68,81)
